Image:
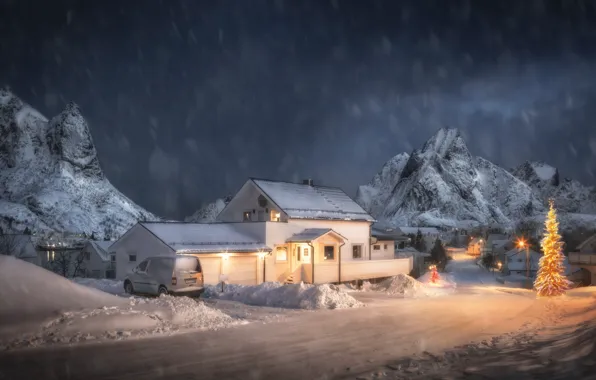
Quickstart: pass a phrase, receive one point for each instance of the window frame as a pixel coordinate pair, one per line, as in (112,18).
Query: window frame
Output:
(131,255)
(376,247)
(245,214)
(361,251)
(325,253)
(281,249)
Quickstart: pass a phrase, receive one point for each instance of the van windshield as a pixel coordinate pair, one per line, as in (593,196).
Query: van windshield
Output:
(187,264)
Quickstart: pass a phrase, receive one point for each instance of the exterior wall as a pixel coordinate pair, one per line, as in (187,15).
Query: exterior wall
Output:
(354,232)
(95,263)
(386,251)
(585,260)
(138,240)
(247,200)
(358,270)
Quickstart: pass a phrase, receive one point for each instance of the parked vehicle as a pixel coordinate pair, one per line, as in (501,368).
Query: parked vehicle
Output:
(180,274)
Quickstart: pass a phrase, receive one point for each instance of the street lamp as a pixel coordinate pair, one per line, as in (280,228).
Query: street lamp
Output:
(521,244)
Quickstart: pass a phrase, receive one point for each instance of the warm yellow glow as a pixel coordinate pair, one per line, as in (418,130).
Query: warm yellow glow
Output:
(225,256)
(550,280)
(480,240)
(521,243)
(499,265)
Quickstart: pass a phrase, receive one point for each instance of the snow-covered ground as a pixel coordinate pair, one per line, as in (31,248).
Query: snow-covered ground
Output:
(105,285)
(39,307)
(294,296)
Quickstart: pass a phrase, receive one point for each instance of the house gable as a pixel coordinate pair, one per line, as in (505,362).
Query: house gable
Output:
(588,245)
(250,198)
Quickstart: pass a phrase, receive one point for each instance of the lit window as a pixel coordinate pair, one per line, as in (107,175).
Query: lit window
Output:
(246,216)
(281,254)
(275,216)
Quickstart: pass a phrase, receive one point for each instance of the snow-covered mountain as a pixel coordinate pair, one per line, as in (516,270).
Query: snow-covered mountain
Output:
(208,212)
(50,176)
(442,184)
(569,195)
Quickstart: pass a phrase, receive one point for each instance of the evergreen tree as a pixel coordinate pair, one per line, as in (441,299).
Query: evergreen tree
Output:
(92,236)
(550,280)
(419,242)
(438,253)
(27,231)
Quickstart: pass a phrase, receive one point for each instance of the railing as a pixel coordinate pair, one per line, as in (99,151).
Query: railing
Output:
(577,258)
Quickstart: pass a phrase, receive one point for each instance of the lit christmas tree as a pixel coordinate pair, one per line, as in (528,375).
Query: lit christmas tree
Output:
(434,275)
(550,280)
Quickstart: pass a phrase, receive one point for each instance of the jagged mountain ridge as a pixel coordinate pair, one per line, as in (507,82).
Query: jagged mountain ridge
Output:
(442,184)
(50,176)
(569,195)
(208,212)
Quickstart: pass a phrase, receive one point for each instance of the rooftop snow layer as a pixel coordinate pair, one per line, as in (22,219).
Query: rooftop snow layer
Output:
(309,234)
(312,202)
(102,248)
(206,238)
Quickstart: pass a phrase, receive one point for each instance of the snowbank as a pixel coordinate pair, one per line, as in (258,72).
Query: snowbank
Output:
(34,293)
(38,307)
(406,286)
(295,296)
(105,285)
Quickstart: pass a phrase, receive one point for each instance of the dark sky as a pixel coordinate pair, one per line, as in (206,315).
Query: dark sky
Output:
(186,99)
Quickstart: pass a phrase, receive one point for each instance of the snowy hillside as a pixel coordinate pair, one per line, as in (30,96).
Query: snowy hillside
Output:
(569,195)
(372,197)
(208,213)
(442,184)
(51,178)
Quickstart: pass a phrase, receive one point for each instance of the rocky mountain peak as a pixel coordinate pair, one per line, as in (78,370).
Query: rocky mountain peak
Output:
(70,139)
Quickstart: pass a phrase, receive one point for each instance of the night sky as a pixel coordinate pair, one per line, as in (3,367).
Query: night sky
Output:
(186,99)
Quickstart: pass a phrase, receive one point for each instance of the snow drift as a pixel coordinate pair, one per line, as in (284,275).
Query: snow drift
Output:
(51,178)
(31,292)
(39,307)
(294,296)
(408,287)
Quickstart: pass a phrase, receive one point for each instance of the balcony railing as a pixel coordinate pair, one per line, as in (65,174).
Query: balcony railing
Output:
(577,258)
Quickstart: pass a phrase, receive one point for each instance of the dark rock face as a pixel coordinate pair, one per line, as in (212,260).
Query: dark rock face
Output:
(442,184)
(51,178)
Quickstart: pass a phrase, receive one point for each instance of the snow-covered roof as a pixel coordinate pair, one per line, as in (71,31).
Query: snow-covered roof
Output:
(495,237)
(384,231)
(311,234)
(414,230)
(587,242)
(500,243)
(515,255)
(102,248)
(206,237)
(301,201)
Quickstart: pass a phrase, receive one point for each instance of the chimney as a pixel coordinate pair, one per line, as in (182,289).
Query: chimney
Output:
(308,182)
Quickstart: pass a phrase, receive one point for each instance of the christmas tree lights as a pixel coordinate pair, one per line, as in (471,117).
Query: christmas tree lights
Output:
(550,280)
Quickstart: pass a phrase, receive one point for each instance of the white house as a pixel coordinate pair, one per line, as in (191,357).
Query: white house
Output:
(97,259)
(519,262)
(385,240)
(585,259)
(271,231)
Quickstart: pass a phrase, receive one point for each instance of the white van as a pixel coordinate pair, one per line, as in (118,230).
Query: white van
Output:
(180,274)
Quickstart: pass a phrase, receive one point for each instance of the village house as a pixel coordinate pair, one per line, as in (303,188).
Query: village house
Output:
(521,262)
(271,231)
(98,263)
(475,246)
(584,260)
(385,239)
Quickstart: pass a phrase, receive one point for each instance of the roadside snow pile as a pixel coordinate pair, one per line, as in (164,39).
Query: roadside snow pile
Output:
(293,296)
(186,312)
(38,307)
(406,286)
(105,285)
(29,292)
(400,284)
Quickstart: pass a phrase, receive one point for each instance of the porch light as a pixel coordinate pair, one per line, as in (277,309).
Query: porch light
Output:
(225,256)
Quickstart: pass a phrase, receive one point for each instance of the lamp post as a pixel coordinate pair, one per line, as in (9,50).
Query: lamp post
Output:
(521,244)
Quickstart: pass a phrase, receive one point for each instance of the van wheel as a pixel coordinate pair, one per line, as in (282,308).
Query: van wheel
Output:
(128,287)
(162,290)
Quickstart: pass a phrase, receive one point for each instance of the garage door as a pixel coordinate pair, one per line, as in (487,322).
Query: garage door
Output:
(242,270)
(211,269)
